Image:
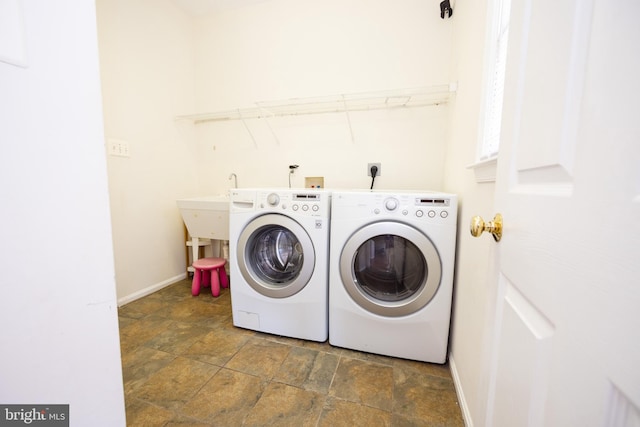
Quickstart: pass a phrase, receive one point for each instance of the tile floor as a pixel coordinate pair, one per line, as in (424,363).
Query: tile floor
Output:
(184,363)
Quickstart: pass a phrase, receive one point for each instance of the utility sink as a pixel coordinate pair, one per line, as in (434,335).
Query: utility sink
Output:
(206,217)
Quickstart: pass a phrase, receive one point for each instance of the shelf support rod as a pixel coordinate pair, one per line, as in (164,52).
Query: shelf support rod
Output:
(264,114)
(346,111)
(244,123)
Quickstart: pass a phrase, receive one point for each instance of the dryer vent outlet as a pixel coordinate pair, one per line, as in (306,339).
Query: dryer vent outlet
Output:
(370,165)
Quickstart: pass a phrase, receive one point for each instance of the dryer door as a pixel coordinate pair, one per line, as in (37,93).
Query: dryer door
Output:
(275,255)
(390,269)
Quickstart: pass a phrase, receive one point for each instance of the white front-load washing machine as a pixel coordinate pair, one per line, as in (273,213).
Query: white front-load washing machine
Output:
(279,243)
(391,272)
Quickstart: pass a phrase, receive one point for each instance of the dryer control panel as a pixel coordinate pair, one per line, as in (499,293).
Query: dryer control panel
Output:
(434,208)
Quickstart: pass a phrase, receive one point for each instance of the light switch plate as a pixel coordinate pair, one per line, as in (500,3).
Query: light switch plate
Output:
(118,148)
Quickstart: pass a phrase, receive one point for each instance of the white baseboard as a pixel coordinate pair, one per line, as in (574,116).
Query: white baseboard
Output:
(150,289)
(464,407)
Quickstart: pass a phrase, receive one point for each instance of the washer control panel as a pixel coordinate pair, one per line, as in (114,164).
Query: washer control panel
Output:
(295,202)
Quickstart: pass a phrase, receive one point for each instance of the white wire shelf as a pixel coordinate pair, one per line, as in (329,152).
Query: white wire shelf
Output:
(368,101)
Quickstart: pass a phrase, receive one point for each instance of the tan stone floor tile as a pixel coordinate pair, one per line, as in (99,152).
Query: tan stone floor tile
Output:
(427,398)
(308,369)
(320,346)
(342,413)
(226,399)
(123,322)
(433,369)
(142,414)
(177,291)
(259,357)
(175,384)
(398,420)
(177,337)
(139,364)
(364,382)
(224,302)
(217,347)
(368,357)
(186,422)
(197,310)
(143,307)
(136,334)
(294,342)
(285,405)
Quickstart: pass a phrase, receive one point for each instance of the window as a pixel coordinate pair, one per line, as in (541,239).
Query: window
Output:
(495,65)
(495,82)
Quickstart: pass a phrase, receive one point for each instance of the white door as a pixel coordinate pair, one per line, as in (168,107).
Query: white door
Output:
(566,349)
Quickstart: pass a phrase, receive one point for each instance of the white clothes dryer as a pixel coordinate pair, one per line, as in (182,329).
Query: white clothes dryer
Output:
(279,243)
(391,272)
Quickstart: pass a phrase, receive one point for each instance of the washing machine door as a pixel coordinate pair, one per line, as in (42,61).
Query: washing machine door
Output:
(390,269)
(275,255)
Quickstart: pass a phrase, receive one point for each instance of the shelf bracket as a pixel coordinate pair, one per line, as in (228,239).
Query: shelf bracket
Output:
(346,111)
(264,113)
(247,128)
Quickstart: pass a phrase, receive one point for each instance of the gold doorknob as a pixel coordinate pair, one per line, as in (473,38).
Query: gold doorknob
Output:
(494,227)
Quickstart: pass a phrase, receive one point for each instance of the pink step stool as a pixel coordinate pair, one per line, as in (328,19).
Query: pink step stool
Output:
(209,271)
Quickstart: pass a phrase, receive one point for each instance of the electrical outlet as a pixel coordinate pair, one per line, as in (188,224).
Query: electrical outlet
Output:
(374,164)
(117,147)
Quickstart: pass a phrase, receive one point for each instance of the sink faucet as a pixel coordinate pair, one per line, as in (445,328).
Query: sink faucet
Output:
(235,179)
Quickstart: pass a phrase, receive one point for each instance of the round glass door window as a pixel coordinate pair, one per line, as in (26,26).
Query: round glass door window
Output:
(275,255)
(390,269)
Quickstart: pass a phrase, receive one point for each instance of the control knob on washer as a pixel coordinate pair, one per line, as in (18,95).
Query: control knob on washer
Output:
(273,199)
(391,204)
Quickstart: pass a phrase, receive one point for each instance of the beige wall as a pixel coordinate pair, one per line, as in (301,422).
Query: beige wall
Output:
(147,69)
(283,49)
(280,49)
